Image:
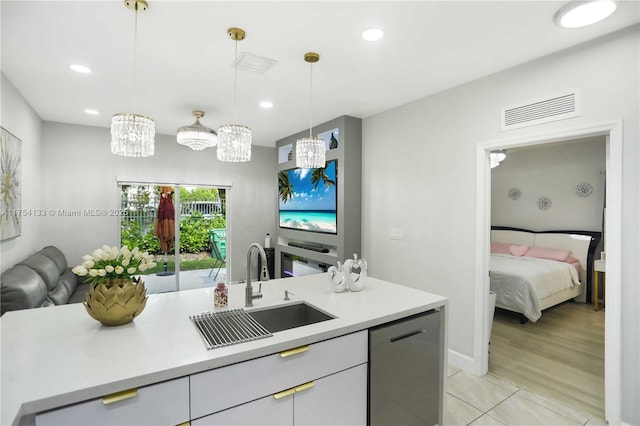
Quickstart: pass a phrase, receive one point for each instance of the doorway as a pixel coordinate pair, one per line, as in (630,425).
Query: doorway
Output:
(613,132)
(178,225)
(560,356)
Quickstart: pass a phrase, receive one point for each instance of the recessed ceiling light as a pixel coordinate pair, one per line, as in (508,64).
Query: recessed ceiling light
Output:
(266,104)
(80,68)
(580,13)
(373,34)
(91,112)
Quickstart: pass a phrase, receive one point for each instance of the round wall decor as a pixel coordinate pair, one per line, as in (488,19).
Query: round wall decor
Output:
(544,203)
(584,189)
(514,193)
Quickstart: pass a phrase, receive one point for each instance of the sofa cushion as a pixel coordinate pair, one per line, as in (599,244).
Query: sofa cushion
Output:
(80,295)
(57,256)
(22,288)
(45,267)
(61,294)
(68,290)
(69,280)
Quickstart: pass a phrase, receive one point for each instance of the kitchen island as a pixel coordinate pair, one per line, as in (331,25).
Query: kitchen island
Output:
(55,357)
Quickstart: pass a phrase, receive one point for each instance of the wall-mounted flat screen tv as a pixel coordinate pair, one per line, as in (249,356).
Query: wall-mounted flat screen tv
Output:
(308,198)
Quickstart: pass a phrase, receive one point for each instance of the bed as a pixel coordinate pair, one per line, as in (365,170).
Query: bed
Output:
(532,271)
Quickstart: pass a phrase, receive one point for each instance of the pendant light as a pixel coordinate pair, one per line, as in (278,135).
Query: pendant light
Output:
(197,136)
(133,135)
(234,140)
(310,152)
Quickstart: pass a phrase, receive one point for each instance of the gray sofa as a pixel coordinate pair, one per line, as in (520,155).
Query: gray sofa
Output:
(42,279)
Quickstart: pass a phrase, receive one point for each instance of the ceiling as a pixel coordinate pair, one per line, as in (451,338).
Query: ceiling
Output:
(185,58)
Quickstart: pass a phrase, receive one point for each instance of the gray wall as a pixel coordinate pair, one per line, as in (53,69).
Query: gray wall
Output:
(79,172)
(21,120)
(551,171)
(426,186)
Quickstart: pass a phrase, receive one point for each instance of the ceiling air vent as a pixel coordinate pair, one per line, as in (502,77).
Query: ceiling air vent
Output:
(540,111)
(254,63)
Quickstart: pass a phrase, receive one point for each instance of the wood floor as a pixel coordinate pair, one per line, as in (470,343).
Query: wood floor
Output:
(560,356)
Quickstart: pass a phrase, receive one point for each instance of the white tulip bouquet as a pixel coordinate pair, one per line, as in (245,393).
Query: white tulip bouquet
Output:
(110,263)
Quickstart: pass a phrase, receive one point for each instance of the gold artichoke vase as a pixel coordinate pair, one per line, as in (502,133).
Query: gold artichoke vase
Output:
(116,301)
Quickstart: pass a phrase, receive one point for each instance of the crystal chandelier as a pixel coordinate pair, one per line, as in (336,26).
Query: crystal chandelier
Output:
(310,152)
(197,136)
(234,140)
(133,135)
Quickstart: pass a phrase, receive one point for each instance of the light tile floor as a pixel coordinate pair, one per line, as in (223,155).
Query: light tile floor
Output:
(489,400)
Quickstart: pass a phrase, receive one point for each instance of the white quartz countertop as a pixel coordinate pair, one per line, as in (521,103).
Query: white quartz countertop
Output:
(57,356)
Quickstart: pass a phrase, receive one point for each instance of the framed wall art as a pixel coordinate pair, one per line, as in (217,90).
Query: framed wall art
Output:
(11,199)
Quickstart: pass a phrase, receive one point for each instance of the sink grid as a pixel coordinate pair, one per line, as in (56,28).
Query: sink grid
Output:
(228,328)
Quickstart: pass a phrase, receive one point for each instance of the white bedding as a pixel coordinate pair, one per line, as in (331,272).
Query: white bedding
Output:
(520,282)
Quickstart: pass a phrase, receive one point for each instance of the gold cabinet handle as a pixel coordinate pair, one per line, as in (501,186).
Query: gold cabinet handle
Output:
(291,391)
(294,351)
(304,386)
(119,396)
(284,393)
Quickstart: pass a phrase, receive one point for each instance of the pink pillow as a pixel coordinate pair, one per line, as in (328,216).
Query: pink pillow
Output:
(548,253)
(576,264)
(500,248)
(518,250)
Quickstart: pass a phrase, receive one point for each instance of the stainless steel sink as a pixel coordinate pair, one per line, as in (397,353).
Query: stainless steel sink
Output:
(290,316)
(237,325)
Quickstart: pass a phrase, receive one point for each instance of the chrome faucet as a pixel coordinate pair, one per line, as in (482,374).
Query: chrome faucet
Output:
(264,275)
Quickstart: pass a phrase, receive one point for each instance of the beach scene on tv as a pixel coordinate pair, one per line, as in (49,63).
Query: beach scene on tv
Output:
(307,199)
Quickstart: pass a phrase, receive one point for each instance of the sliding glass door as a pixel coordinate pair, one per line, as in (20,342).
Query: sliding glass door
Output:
(202,236)
(184,227)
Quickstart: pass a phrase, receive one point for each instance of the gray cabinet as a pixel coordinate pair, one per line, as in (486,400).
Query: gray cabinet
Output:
(267,411)
(341,245)
(331,373)
(165,403)
(339,399)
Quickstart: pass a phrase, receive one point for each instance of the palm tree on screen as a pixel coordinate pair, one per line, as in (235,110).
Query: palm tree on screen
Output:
(318,175)
(285,190)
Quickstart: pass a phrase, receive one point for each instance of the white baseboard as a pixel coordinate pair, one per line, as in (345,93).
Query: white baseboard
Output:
(462,362)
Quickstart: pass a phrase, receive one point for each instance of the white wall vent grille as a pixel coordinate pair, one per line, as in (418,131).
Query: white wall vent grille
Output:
(540,111)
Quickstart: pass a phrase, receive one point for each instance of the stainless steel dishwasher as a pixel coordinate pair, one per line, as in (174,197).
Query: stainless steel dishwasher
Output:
(406,371)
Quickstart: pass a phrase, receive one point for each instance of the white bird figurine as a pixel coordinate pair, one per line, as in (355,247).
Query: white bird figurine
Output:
(355,273)
(337,278)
